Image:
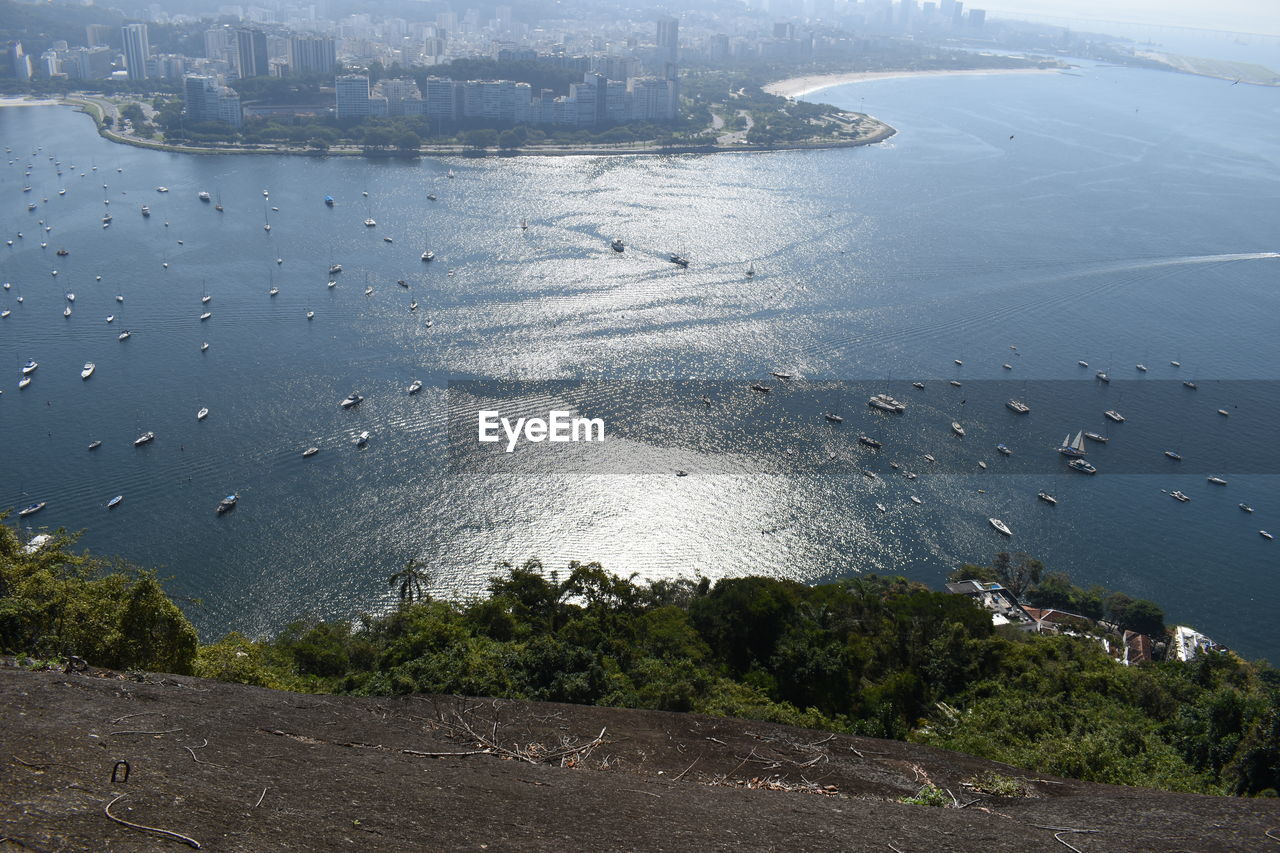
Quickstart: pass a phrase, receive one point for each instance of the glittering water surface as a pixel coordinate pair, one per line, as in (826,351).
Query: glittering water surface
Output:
(1115,216)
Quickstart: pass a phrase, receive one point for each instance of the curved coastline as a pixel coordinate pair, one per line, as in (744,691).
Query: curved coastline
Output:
(798,87)
(94,108)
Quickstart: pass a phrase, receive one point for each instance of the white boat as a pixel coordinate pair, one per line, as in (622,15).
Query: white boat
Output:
(66,312)
(332,284)
(30,366)
(957,429)
(1047,498)
(1114,415)
(352,399)
(387,240)
(1176,363)
(335,269)
(273,291)
(1001,526)
(368,291)
(144,439)
(1004,449)
(310,451)
(311,315)
(227,504)
(1217,481)
(204,346)
(1083,363)
(1224,413)
(1073,446)
(204,300)
(124,336)
(162,189)
(428,255)
(1098,437)
(1141,367)
(1082,466)
(886,403)
(928,457)
(982,465)
(111,318)
(1018,406)
(1102,376)
(206,315)
(959,362)
(202,414)
(115,502)
(1179,496)
(919,385)
(915,500)
(955,382)
(1245,507)
(119,297)
(413,306)
(415,386)
(1175,456)
(1007,366)
(31,509)
(204,196)
(24,382)
(89,367)
(882,507)
(362,439)
(1265,535)
(369,223)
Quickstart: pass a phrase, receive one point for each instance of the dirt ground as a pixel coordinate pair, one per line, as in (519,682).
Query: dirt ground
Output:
(234,768)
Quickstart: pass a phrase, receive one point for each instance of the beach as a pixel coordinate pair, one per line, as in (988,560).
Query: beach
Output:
(29,102)
(798,87)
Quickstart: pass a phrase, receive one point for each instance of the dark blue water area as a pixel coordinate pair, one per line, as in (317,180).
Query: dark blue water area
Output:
(1130,219)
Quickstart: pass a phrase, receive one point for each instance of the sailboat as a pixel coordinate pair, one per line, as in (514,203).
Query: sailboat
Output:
(524,225)
(1073,446)
(751,269)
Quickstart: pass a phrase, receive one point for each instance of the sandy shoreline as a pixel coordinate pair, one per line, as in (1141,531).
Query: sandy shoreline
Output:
(798,87)
(29,102)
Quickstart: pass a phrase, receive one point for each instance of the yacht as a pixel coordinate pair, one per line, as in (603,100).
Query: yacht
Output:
(887,403)
(415,386)
(1217,481)
(1072,446)
(617,245)
(387,240)
(24,382)
(1189,384)
(1245,507)
(928,457)
(228,503)
(1004,449)
(203,413)
(1114,415)
(1176,457)
(31,509)
(144,438)
(1098,437)
(206,315)
(311,315)
(869,441)
(524,225)
(1176,363)
(919,385)
(915,500)
(115,502)
(273,291)
(1102,376)
(335,269)
(368,291)
(959,362)
(95,444)
(957,429)
(29,366)
(1007,366)
(353,399)
(124,336)
(362,439)
(1082,466)
(1179,496)
(835,419)
(1018,406)
(1142,368)
(1083,363)
(1047,498)
(1001,526)
(204,196)
(89,367)
(882,507)
(777,374)
(679,260)
(763,389)
(328,201)
(428,255)
(310,451)
(369,222)
(413,306)
(1265,535)
(204,346)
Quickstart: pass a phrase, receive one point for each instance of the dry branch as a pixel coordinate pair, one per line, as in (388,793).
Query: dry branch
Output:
(166,833)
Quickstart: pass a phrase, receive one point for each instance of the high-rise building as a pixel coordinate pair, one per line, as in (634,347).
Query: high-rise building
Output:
(137,47)
(977,18)
(652,99)
(668,40)
(20,61)
(251,53)
(97,34)
(207,100)
(352,96)
(219,44)
(310,54)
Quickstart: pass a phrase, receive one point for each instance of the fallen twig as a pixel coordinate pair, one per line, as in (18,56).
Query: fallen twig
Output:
(167,833)
(646,793)
(717,740)
(891,847)
(192,750)
(139,714)
(1064,842)
(262,797)
(686,770)
(445,754)
(1269,835)
(165,732)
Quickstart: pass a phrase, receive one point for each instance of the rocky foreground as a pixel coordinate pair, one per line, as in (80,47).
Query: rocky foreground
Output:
(225,767)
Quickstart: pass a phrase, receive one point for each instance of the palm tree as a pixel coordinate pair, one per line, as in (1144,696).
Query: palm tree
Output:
(410,579)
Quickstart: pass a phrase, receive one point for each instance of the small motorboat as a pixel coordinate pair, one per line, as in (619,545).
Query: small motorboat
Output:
(959,362)
(763,389)
(1082,363)
(915,500)
(310,451)
(88,369)
(203,413)
(335,269)
(415,386)
(1004,449)
(1179,496)
(369,223)
(353,399)
(617,245)
(362,439)
(1265,535)
(328,201)
(1018,407)
(332,284)
(982,465)
(124,336)
(869,441)
(1245,507)
(402,282)
(835,419)
(119,297)
(1189,384)
(413,306)
(30,366)
(206,315)
(780,375)
(955,382)
(66,312)
(1001,526)
(204,196)
(274,291)
(94,445)
(928,457)
(919,385)
(111,318)
(1142,368)
(31,509)
(1114,415)
(228,503)
(1224,413)
(1098,437)
(1176,363)
(62,253)
(1217,481)
(311,315)
(204,346)
(882,507)
(1007,366)
(957,429)
(115,502)
(1176,457)
(1047,498)
(145,438)
(431,196)
(387,240)
(368,291)
(1102,376)
(1082,465)
(24,382)
(428,255)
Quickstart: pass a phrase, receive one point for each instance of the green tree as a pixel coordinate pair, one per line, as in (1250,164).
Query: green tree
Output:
(508,140)
(410,580)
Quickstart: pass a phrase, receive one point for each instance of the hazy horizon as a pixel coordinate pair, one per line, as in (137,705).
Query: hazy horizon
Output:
(1242,16)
